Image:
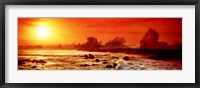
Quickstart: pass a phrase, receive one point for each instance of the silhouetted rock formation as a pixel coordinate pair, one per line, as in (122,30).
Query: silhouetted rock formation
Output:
(151,41)
(91,56)
(86,56)
(91,44)
(126,58)
(117,42)
(109,66)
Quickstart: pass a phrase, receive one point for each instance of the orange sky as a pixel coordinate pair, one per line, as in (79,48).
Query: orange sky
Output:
(76,30)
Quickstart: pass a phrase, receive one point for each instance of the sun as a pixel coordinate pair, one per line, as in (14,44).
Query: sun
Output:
(42,31)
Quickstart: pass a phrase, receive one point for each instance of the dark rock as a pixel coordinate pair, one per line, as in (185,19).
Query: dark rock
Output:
(126,58)
(91,56)
(38,61)
(109,66)
(84,65)
(41,61)
(34,67)
(86,56)
(23,61)
(20,62)
(97,60)
(114,65)
(33,61)
(105,62)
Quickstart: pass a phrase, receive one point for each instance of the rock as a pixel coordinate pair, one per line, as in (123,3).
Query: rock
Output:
(41,61)
(91,56)
(34,67)
(105,62)
(38,61)
(114,65)
(97,60)
(23,61)
(84,65)
(86,56)
(33,61)
(109,66)
(126,58)
(20,62)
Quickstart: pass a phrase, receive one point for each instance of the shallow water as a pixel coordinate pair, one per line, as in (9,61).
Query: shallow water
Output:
(75,60)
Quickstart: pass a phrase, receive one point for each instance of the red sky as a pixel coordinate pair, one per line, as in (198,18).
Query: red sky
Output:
(76,30)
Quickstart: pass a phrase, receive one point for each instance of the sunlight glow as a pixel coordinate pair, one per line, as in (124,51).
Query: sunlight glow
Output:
(42,31)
